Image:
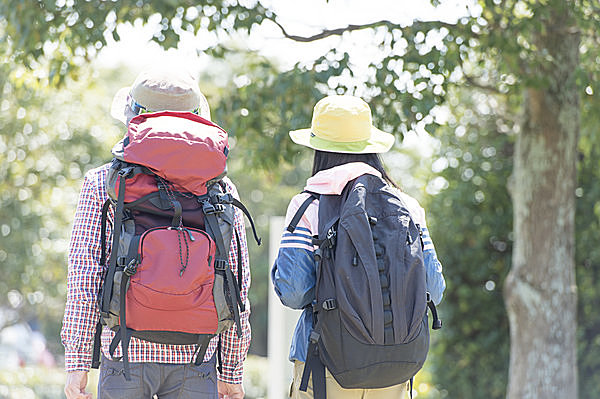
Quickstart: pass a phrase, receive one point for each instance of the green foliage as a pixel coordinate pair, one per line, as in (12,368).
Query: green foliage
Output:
(69,33)
(266,194)
(473,240)
(470,222)
(47,142)
(48,139)
(260,113)
(587,250)
(32,382)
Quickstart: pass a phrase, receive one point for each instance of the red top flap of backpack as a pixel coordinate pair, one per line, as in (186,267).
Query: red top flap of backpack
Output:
(181,147)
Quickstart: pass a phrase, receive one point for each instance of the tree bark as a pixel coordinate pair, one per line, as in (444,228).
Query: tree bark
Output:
(540,290)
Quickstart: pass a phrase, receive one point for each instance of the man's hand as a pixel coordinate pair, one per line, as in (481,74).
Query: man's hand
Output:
(230,391)
(76,383)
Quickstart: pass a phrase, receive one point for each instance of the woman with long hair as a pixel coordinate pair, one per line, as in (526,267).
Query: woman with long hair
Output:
(347,146)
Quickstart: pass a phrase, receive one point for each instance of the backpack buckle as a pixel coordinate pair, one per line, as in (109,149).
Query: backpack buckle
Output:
(225,198)
(314,336)
(329,304)
(126,172)
(210,209)
(221,264)
(330,238)
(318,254)
(131,268)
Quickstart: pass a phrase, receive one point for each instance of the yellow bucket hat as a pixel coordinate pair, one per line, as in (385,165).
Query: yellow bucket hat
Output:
(343,124)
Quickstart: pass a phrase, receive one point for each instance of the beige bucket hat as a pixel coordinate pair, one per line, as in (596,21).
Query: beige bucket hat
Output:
(160,88)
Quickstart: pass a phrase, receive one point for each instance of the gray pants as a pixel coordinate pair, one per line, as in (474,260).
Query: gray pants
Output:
(165,381)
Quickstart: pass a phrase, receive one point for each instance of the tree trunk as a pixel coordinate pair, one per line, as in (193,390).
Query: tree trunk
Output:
(540,290)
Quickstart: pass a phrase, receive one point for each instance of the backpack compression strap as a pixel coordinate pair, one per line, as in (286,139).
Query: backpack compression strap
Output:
(222,262)
(123,334)
(112,263)
(98,333)
(239,269)
(314,366)
(106,293)
(298,215)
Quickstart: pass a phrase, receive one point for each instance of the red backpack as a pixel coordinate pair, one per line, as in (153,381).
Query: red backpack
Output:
(168,279)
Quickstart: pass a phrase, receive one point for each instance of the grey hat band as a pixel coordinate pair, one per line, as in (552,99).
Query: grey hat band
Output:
(138,109)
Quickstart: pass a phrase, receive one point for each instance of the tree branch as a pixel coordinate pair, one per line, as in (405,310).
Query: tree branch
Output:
(471,81)
(339,31)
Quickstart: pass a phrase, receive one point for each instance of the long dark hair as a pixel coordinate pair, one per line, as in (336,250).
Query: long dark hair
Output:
(327,160)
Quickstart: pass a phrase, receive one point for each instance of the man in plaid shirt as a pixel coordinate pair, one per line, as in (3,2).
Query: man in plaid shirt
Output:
(157,369)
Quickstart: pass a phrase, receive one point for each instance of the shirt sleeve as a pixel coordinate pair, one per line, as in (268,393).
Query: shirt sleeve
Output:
(293,273)
(234,349)
(83,279)
(436,284)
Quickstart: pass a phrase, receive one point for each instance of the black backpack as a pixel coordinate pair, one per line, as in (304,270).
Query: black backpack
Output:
(370,312)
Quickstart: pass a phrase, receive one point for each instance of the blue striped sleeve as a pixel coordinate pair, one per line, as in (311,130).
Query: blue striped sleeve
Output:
(300,238)
(293,276)
(436,284)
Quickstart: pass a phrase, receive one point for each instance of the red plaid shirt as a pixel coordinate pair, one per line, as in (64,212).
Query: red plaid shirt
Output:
(85,276)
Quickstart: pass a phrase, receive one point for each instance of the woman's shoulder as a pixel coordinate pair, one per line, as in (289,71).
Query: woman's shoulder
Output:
(310,216)
(413,206)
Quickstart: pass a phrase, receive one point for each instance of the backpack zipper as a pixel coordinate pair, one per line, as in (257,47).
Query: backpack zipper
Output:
(184,229)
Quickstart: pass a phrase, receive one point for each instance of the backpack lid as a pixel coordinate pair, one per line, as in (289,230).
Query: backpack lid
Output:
(181,147)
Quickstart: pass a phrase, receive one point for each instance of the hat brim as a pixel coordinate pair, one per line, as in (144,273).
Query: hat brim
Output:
(119,107)
(379,142)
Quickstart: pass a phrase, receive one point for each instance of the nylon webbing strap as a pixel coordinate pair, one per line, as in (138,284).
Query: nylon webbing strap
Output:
(213,224)
(103,222)
(202,347)
(219,357)
(437,323)
(125,334)
(315,367)
(177,219)
(97,343)
(239,270)
(234,290)
(298,215)
(113,345)
(112,264)
(132,252)
(222,254)
(243,208)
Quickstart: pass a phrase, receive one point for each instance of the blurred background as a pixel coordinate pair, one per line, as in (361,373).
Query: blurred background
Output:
(453,80)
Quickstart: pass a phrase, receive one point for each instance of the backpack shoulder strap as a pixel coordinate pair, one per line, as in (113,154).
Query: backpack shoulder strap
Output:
(298,215)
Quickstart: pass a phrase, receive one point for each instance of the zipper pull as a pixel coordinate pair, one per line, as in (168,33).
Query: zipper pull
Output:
(190,234)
